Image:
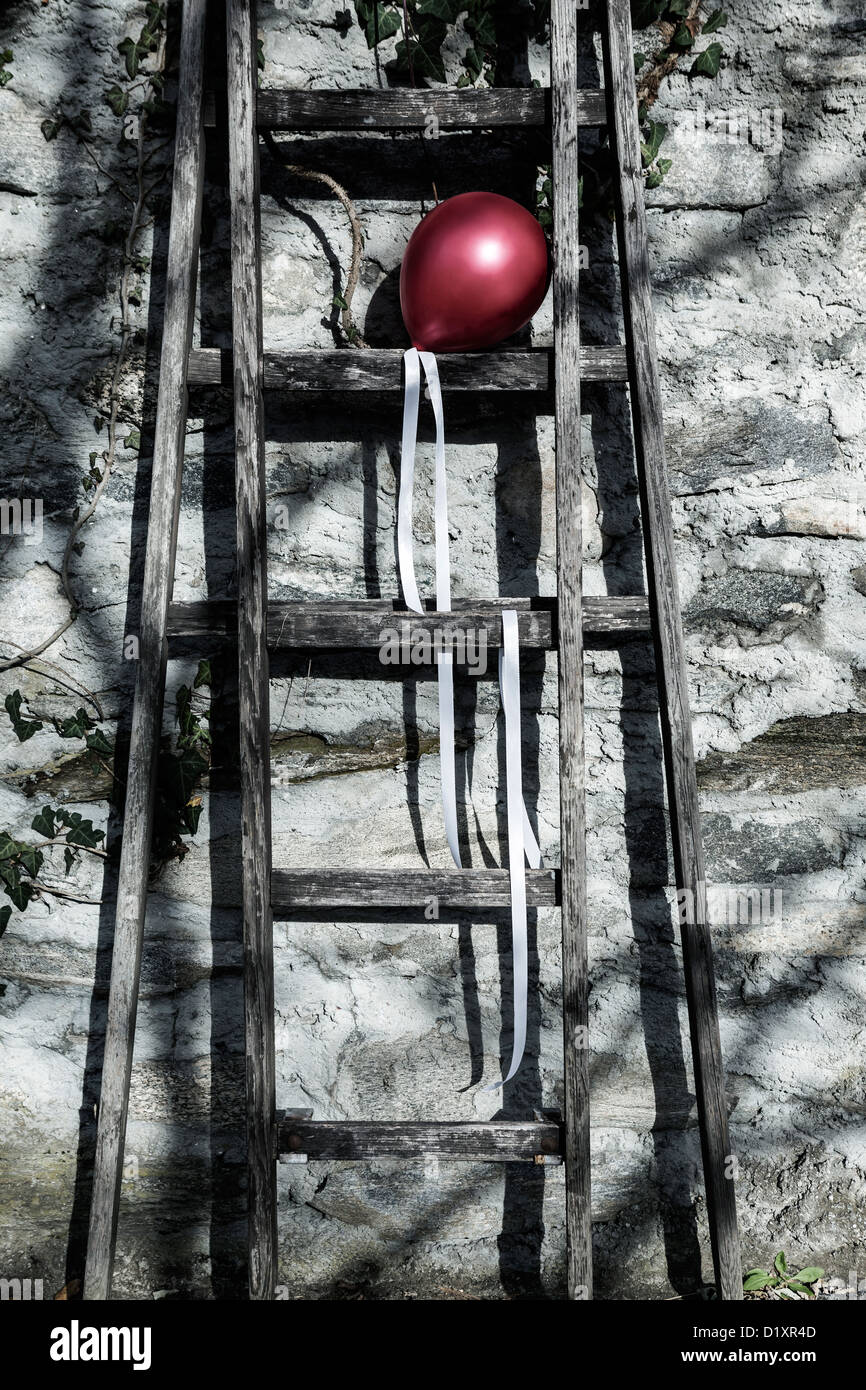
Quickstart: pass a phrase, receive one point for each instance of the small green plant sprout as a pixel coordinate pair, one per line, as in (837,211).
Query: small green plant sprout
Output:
(6,56)
(781,1282)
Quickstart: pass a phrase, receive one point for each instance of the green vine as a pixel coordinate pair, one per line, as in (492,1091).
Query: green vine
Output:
(21,861)
(424,26)
(181,769)
(182,764)
(134,98)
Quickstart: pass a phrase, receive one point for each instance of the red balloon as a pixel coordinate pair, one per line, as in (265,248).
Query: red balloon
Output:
(475,271)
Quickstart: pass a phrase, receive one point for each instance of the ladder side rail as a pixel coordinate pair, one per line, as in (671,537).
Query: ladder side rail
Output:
(566,261)
(166,477)
(671,668)
(253,692)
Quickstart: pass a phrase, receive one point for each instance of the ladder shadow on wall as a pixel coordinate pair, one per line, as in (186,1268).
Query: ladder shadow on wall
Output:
(122,677)
(645,828)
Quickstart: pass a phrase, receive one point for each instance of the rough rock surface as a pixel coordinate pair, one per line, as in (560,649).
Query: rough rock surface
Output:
(758,242)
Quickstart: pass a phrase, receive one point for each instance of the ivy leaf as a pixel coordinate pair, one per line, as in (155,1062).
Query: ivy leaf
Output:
(98,743)
(192,814)
(5,76)
(202,675)
(810,1274)
(19,892)
(472,63)
(389,24)
(378,21)
(182,773)
(260,55)
(51,129)
(75,726)
(650,148)
(84,834)
(117,99)
(426,58)
(133,439)
(707,64)
(682,37)
(654,180)
(24,728)
(5,914)
(679,7)
(31,858)
(484,30)
(646,12)
(129,49)
(442,9)
(68,859)
(8,846)
(43,823)
(717,20)
(464,80)
(339,302)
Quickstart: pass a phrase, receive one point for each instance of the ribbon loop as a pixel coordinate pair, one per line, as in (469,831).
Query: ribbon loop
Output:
(522,844)
(405,556)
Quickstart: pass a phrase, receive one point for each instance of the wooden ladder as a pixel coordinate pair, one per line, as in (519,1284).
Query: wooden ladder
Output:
(258,625)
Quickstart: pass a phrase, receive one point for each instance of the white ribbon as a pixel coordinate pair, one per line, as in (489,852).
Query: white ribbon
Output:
(521,840)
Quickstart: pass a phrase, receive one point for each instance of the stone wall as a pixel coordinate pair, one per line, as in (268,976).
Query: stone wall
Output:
(758,241)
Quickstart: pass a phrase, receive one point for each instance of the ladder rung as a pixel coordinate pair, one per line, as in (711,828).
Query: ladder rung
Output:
(370,109)
(292,889)
(379,369)
(492,1141)
(348,624)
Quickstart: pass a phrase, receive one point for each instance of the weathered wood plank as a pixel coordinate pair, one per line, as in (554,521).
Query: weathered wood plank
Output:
(253,694)
(494,1141)
(351,624)
(294,889)
(380,369)
(369,108)
(150,675)
(566,329)
(670,655)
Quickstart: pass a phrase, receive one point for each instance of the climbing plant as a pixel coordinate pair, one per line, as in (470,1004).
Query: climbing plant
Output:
(181,768)
(134,97)
(21,861)
(479,30)
(182,764)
